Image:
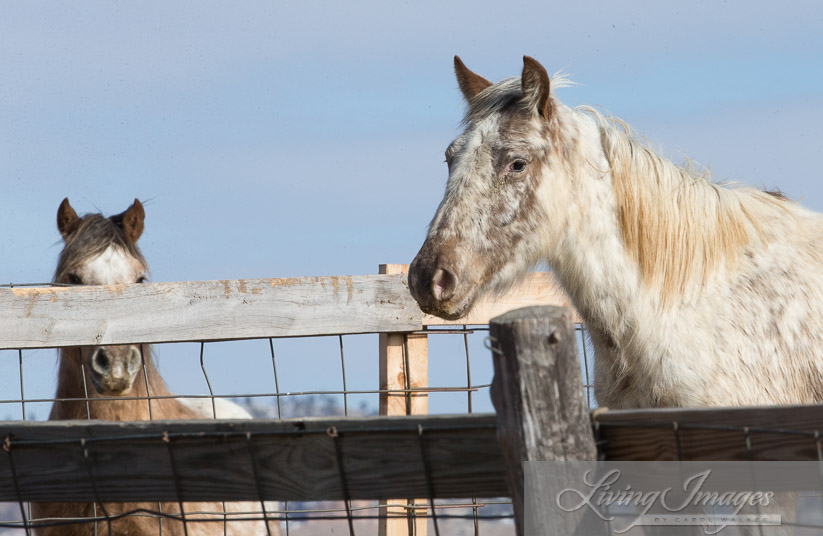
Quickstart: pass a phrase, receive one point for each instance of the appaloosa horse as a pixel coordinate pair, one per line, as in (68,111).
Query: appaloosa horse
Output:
(103,251)
(695,293)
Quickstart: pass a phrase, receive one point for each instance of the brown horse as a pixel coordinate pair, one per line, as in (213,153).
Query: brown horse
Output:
(103,251)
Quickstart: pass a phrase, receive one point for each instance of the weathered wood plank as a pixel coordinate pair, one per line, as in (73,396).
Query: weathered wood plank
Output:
(721,434)
(296,459)
(404,362)
(43,317)
(538,288)
(541,410)
(205,311)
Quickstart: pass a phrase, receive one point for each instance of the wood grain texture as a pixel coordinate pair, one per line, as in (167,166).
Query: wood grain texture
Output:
(296,459)
(404,363)
(44,317)
(537,392)
(205,311)
(789,433)
(538,288)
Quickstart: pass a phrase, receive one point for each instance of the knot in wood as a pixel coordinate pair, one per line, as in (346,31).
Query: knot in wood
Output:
(554,337)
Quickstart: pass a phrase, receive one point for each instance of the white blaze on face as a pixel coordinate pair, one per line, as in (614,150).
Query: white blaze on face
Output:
(115,266)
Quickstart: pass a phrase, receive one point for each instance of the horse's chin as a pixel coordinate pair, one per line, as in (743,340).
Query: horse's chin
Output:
(452,310)
(107,388)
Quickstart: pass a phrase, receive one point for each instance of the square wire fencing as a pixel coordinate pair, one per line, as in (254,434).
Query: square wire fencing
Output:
(334,466)
(459,367)
(273,378)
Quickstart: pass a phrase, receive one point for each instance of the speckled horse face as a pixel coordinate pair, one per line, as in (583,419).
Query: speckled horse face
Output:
(485,231)
(103,251)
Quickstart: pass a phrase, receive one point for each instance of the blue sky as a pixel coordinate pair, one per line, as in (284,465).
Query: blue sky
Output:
(274,139)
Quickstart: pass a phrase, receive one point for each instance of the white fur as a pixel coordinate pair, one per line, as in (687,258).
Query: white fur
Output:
(723,343)
(732,315)
(114,266)
(226,409)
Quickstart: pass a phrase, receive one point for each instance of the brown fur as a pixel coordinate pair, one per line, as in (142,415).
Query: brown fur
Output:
(470,83)
(535,85)
(85,238)
(91,235)
(71,404)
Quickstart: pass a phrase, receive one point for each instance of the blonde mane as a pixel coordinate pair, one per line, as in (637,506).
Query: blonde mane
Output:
(676,224)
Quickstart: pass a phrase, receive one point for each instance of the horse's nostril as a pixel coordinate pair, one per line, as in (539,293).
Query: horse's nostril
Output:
(135,361)
(101,362)
(443,284)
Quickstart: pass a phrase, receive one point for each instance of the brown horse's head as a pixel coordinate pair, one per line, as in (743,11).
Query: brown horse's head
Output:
(103,251)
(491,223)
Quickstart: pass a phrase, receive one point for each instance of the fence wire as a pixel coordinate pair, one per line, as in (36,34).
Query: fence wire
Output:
(207,377)
(26,399)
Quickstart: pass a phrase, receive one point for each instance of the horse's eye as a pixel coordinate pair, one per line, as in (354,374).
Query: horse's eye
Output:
(74,279)
(141,279)
(517,166)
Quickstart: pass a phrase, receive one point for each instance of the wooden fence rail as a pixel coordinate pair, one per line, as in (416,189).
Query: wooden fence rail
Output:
(47,317)
(290,459)
(381,456)
(205,311)
(789,433)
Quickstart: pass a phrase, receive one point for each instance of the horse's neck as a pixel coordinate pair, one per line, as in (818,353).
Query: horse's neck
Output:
(71,384)
(588,255)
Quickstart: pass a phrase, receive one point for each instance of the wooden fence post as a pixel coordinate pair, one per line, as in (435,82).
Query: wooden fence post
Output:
(404,364)
(538,393)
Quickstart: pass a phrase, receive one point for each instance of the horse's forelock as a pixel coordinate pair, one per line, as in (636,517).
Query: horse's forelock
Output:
(94,234)
(503,95)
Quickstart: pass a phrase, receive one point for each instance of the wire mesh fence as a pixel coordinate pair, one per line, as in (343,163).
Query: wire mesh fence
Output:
(270,380)
(277,379)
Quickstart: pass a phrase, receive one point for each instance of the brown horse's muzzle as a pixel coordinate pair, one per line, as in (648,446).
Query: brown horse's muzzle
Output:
(435,284)
(113,369)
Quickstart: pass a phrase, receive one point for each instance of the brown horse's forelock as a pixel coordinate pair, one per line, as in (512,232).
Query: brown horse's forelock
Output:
(94,234)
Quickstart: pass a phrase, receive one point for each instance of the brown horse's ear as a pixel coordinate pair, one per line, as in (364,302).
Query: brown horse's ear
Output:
(67,220)
(132,221)
(535,86)
(470,84)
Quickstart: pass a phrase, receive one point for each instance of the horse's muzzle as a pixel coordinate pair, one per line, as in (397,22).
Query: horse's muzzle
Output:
(435,285)
(113,369)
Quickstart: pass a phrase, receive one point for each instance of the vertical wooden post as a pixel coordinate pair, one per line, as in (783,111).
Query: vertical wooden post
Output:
(404,363)
(538,393)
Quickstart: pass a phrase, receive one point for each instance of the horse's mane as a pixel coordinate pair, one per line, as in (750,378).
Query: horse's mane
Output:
(676,223)
(94,234)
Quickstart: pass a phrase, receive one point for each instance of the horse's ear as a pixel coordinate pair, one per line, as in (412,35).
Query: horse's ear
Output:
(67,219)
(132,221)
(535,86)
(470,83)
